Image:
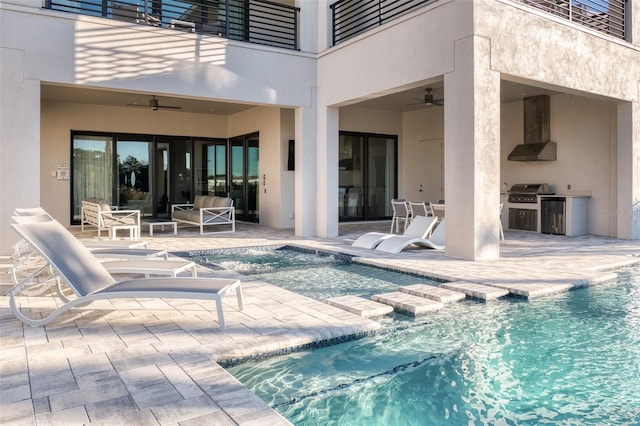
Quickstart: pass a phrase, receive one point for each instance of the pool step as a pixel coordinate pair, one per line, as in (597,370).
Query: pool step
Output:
(475,290)
(359,305)
(408,303)
(438,294)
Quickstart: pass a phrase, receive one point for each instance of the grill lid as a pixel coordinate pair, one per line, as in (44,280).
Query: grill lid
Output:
(527,192)
(530,189)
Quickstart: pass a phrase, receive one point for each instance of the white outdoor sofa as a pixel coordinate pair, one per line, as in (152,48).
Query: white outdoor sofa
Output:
(97,212)
(209,211)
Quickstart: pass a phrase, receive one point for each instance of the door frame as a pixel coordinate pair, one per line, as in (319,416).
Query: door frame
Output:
(364,164)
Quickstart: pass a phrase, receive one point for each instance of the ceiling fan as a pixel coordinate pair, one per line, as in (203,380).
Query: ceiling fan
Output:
(428,99)
(154,105)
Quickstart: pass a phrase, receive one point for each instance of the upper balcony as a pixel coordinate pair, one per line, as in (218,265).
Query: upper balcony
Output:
(256,21)
(353,17)
(606,16)
(276,24)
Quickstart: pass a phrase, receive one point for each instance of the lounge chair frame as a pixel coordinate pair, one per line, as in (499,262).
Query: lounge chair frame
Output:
(93,282)
(397,243)
(420,227)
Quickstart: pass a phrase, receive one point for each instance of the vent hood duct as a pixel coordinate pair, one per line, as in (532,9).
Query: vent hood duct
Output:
(536,146)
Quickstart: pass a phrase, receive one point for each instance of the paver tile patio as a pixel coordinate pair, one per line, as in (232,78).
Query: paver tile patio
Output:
(155,361)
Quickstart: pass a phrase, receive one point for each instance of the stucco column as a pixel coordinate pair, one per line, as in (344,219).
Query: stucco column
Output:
(305,174)
(308,18)
(327,185)
(627,212)
(632,21)
(472,153)
(19,142)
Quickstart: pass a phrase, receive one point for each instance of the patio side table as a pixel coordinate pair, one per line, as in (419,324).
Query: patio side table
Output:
(162,225)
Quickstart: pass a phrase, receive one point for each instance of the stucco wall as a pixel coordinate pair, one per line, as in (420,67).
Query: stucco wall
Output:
(114,54)
(410,50)
(266,121)
(531,44)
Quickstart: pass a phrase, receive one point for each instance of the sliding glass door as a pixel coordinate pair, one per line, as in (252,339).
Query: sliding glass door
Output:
(367,175)
(92,171)
(135,165)
(381,175)
(244,178)
(210,158)
(150,173)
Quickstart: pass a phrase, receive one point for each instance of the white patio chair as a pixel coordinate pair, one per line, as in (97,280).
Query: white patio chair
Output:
(421,209)
(401,213)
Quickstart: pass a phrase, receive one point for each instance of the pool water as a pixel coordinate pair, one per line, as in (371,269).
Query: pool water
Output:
(260,260)
(571,359)
(315,275)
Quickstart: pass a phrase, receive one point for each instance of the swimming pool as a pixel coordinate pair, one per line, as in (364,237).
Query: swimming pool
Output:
(567,359)
(318,275)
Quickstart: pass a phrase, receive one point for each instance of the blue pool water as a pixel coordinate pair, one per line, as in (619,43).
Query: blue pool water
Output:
(318,276)
(571,359)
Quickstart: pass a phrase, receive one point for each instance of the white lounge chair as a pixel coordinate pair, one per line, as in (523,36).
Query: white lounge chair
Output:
(30,211)
(26,261)
(397,243)
(89,280)
(420,227)
(112,249)
(142,260)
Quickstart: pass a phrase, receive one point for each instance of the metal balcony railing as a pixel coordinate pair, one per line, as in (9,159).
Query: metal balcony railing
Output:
(353,17)
(607,16)
(255,21)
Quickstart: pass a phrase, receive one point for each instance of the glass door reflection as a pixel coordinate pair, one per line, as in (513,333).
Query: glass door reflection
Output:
(244,176)
(135,191)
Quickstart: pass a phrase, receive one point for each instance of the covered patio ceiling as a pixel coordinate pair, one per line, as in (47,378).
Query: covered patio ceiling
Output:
(402,101)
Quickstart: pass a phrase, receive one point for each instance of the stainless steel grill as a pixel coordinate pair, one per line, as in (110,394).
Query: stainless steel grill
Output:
(527,192)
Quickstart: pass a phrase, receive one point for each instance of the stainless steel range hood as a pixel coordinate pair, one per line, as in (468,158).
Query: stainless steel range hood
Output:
(545,151)
(536,146)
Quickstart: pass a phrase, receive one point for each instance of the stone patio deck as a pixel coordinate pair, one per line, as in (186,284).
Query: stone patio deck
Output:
(150,361)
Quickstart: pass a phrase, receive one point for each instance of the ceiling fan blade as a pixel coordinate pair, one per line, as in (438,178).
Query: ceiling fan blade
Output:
(154,105)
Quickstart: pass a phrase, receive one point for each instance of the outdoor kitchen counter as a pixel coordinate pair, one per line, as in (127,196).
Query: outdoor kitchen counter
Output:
(572,194)
(576,214)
